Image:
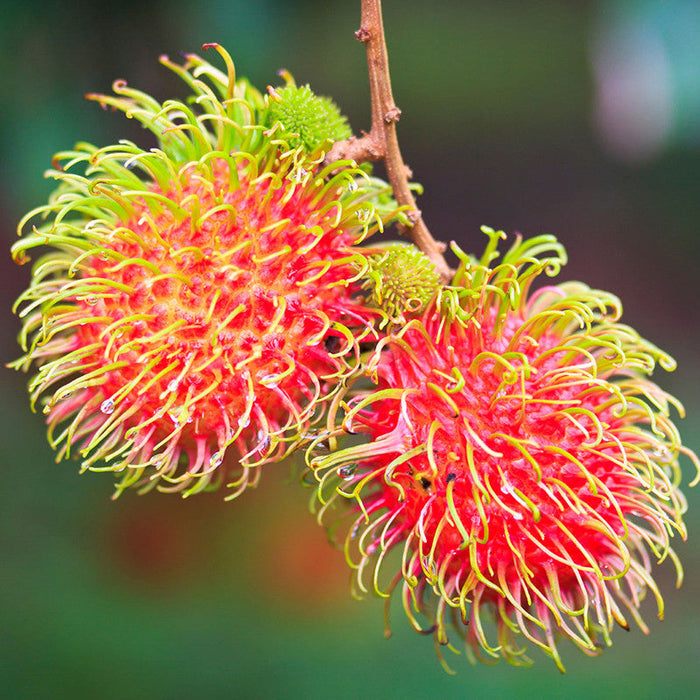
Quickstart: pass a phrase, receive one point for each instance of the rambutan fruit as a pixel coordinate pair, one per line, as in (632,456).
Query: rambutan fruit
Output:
(513,469)
(196,304)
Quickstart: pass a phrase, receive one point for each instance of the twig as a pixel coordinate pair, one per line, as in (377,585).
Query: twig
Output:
(381,143)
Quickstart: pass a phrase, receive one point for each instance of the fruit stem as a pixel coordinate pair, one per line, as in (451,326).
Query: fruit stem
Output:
(381,143)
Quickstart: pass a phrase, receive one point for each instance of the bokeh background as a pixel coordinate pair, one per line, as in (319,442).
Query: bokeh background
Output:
(569,117)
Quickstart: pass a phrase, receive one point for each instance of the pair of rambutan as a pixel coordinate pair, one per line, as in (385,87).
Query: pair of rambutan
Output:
(205,308)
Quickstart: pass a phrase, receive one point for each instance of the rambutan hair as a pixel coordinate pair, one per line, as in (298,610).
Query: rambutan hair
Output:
(513,471)
(195,304)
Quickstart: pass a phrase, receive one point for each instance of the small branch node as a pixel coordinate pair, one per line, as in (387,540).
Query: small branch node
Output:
(360,150)
(413,215)
(363,34)
(392,115)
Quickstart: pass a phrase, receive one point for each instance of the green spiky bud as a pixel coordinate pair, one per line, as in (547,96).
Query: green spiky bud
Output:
(402,280)
(304,118)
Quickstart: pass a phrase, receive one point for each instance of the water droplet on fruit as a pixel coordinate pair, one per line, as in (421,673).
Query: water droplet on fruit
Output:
(298,175)
(244,421)
(346,473)
(662,453)
(179,416)
(264,442)
(270,380)
(429,566)
(506,488)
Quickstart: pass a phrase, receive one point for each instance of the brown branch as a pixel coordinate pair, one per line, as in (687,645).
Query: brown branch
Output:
(381,143)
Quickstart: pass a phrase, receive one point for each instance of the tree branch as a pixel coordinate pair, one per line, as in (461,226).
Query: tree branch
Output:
(381,143)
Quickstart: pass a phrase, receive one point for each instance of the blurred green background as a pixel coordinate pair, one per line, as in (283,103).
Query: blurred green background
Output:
(518,114)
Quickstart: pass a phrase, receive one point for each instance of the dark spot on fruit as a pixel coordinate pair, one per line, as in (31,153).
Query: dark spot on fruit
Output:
(331,343)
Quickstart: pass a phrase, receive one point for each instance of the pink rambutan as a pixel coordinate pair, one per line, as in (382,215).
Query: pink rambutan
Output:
(198,303)
(513,462)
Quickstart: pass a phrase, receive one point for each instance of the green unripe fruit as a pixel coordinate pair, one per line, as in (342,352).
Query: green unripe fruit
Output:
(304,118)
(403,280)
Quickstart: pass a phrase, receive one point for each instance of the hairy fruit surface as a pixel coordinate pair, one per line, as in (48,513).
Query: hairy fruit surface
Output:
(515,473)
(196,304)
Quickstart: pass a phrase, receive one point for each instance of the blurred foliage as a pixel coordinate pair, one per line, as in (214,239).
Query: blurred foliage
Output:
(156,597)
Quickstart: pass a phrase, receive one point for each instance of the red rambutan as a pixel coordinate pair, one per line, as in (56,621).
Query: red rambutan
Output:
(198,304)
(515,454)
